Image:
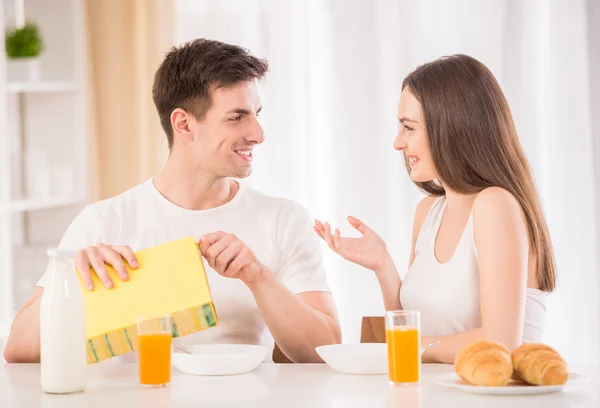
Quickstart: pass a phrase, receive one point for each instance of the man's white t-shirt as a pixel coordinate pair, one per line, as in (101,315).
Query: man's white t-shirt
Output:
(278,231)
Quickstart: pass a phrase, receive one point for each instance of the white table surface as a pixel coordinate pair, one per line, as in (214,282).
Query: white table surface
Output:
(271,385)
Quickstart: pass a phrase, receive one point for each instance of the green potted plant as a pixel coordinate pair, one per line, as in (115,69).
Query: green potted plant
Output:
(23,48)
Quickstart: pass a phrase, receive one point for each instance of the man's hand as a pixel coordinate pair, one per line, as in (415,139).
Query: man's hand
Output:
(230,257)
(97,256)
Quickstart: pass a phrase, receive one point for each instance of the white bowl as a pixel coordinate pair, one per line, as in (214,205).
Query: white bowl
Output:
(220,359)
(360,358)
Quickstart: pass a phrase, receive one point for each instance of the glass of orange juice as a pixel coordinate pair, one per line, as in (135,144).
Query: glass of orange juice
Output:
(155,333)
(403,338)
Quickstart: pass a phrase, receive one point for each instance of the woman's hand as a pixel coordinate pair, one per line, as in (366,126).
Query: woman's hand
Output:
(369,251)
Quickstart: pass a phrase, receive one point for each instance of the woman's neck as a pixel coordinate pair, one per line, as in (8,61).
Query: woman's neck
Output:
(458,201)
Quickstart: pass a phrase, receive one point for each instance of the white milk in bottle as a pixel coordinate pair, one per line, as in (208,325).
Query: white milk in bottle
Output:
(62,327)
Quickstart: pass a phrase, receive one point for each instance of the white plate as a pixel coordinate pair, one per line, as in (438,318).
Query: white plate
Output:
(220,359)
(452,380)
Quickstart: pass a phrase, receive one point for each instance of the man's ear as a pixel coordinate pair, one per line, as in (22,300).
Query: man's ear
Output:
(181,121)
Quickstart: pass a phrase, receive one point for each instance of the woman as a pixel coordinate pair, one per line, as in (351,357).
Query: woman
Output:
(481,261)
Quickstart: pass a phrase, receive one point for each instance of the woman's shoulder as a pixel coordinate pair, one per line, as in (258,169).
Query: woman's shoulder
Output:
(422,210)
(493,199)
(424,206)
(497,211)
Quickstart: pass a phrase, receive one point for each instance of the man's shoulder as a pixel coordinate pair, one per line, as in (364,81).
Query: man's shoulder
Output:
(277,206)
(121,203)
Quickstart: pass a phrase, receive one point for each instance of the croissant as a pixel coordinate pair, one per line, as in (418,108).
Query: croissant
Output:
(484,363)
(539,364)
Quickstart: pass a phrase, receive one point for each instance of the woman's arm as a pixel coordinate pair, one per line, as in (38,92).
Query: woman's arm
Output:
(371,252)
(502,243)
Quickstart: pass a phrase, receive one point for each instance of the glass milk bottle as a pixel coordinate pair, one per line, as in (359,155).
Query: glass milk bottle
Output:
(62,327)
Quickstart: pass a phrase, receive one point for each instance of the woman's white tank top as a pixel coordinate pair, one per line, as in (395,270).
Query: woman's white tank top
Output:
(447,294)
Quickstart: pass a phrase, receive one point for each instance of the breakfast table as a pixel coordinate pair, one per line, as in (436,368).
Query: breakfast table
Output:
(274,385)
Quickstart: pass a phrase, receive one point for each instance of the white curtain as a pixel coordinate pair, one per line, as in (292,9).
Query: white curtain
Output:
(330,102)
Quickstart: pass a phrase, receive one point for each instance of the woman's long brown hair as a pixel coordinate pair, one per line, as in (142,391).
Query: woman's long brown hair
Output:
(474,144)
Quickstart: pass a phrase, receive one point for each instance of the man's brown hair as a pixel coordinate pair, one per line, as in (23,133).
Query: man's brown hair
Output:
(189,72)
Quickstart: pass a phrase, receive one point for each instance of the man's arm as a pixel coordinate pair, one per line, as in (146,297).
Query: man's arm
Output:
(23,344)
(298,323)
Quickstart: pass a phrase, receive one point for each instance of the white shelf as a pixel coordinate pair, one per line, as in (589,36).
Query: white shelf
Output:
(43,203)
(42,87)
(32,119)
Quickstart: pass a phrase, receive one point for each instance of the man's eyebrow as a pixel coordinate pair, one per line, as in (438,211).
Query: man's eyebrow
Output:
(242,111)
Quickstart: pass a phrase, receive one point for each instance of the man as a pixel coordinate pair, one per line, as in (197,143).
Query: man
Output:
(265,273)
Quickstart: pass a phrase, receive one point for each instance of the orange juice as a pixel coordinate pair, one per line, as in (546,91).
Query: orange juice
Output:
(154,355)
(404,355)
